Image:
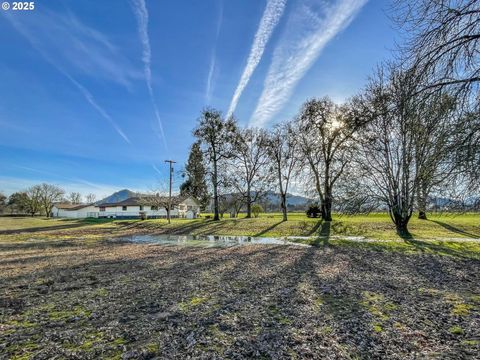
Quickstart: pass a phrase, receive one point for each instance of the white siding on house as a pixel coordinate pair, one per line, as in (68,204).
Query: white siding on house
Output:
(134,211)
(74,214)
(189,208)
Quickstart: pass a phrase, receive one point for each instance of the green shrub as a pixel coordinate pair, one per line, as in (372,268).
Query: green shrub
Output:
(256,210)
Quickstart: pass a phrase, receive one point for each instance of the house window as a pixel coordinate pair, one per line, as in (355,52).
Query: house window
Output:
(124,208)
(102,208)
(155,208)
(141,207)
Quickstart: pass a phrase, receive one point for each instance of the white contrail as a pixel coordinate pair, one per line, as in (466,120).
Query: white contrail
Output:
(306,36)
(213,61)
(271,16)
(211,71)
(88,96)
(157,170)
(141,14)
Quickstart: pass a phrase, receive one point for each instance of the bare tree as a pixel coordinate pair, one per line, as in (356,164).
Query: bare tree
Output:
(283,149)
(48,195)
(435,139)
(215,135)
(235,204)
(325,134)
(33,200)
(159,200)
(75,198)
(249,171)
(443,45)
(443,42)
(90,198)
(467,147)
(388,142)
(231,203)
(3,201)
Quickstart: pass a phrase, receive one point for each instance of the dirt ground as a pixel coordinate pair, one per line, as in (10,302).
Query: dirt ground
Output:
(129,301)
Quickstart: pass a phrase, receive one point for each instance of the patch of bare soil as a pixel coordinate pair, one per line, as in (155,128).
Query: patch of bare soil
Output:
(128,301)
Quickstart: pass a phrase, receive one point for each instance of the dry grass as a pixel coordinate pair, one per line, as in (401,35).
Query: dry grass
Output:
(116,300)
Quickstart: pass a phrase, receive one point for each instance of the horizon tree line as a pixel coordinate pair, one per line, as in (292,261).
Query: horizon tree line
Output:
(40,199)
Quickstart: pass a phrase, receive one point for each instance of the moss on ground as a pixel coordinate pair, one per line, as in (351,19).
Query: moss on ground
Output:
(186,306)
(456,330)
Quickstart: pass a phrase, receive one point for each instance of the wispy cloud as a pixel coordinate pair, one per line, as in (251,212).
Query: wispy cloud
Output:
(141,14)
(213,61)
(308,31)
(67,183)
(43,50)
(77,47)
(271,16)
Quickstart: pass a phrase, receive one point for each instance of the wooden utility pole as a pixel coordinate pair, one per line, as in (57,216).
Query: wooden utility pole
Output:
(171,162)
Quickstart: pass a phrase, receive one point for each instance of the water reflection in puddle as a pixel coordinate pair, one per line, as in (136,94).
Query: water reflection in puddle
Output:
(209,240)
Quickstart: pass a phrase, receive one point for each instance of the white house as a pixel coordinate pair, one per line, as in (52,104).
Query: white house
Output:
(131,208)
(74,211)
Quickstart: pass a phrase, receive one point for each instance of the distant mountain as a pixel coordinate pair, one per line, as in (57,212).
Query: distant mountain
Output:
(292,200)
(272,197)
(117,197)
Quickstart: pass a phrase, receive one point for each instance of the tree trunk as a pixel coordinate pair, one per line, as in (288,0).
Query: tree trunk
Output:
(327,208)
(327,201)
(249,203)
(401,224)
(283,204)
(216,216)
(402,228)
(422,201)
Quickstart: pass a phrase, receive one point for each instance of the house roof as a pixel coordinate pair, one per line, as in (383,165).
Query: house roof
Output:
(145,200)
(68,206)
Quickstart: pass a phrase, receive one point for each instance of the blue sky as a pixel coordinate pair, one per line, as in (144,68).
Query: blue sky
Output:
(95,95)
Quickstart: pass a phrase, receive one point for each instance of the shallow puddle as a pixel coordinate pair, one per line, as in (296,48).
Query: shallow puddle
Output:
(208,240)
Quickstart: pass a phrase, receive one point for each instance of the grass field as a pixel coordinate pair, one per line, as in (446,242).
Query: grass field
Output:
(373,226)
(446,234)
(69,291)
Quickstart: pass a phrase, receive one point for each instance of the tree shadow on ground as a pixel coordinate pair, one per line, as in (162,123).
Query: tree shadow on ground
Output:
(436,248)
(256,301)
(264,231)
(43,244)
(315,228)
(455,229)
(41,228)
(439,249)
(323,233)
(200,227)
(405,235)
